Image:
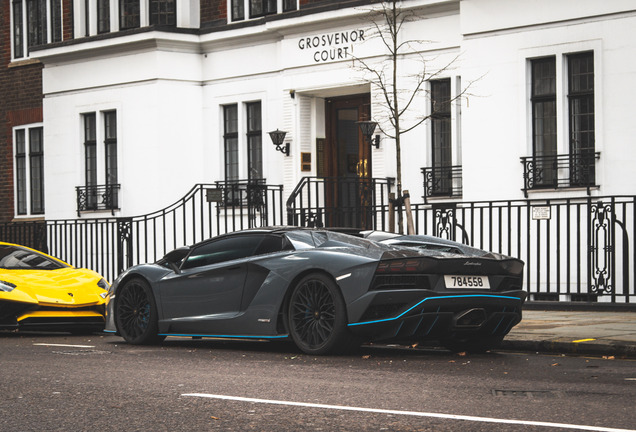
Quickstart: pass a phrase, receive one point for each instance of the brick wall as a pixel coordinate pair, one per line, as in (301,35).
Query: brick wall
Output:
(67,19)
(213,10)
(20,103)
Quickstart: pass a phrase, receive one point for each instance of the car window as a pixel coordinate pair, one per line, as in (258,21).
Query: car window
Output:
(224,249)
(17,258)
(430,246)
(273,243)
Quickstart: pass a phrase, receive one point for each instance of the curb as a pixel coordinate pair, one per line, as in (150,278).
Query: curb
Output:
(616,350)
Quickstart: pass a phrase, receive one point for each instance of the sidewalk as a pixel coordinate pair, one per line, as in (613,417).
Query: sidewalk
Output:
(575,332)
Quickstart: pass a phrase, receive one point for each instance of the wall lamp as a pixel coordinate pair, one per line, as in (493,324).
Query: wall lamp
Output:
(368,128)
(278,137)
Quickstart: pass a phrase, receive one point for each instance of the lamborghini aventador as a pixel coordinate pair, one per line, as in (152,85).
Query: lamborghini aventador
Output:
(40,292)
(325,290)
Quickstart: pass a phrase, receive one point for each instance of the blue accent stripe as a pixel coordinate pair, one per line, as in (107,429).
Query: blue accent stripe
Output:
(109,331)
(223,336)
(432,298)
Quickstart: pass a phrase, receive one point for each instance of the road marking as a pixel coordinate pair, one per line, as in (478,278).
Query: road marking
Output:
(583,340)
(409,413)
(65,345)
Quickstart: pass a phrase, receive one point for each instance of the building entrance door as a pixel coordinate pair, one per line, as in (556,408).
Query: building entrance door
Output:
(348,191)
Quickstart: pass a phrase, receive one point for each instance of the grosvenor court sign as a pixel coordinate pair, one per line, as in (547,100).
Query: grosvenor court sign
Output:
(330,46)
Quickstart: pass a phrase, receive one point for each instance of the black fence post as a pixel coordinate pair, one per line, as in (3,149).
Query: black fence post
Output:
(124,245)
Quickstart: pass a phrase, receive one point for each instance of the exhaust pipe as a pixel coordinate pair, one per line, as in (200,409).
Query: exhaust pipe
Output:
(472,318)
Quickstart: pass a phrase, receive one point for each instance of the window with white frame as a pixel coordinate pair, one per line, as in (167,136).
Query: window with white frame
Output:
(102,16)
(34,22)
(242,129)
(29,170)
(247,9)
(101,187)
(555,164)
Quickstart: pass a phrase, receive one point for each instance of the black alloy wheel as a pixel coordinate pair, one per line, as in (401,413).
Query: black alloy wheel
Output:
(136,313)
(317,316)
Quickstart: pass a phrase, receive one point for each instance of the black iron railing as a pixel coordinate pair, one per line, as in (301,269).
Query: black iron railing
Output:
(575,250)
(560,171)
(248,203)
(97,198)
(340,202)
(442,182)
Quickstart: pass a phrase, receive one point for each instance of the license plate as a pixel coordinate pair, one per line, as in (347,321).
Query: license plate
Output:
(467,282)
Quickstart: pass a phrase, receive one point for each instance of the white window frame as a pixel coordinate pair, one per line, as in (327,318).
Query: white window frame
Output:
(456,117)
(100,148)
(100,143)
(27,151)
(246,9)
(187,12)
(25,30)
(561,52)
(242,139)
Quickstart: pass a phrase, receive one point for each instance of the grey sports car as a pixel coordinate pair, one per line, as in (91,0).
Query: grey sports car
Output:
(325,290)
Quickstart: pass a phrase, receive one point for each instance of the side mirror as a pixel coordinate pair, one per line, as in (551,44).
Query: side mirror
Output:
(174,258)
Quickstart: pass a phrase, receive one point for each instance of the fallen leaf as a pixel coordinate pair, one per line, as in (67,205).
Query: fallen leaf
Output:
(462,354)
(555,364)
(414,345)
(608,357)
(214,418)
(366,356)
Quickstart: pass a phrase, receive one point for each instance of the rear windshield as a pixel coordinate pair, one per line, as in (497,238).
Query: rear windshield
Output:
(17,258)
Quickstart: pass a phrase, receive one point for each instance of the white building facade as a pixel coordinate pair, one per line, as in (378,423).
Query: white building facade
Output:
(523,101)
(171,93)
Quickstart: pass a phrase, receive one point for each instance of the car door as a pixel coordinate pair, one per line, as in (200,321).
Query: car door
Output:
(209,286)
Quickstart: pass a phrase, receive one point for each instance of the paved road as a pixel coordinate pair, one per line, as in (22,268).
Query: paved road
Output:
(98,382)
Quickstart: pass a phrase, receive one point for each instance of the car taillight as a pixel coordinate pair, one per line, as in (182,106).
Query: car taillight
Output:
(400,266)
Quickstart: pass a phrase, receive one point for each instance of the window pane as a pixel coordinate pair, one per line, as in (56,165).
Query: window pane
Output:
(110,127)
(36,22)
(544,77)
(103,16)
(544,121)
(129,14)
(223,250)
(289,5)
(441,136)
(230,136)
(582,130)
(12,257)
(111,198)
(262,7)
(238,10)
(162,12)
(254,141)
(20,168)
(90,148)
(18,36)
(36,166)
(56,20)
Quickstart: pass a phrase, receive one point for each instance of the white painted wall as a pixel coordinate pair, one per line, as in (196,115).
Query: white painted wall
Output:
(168,91)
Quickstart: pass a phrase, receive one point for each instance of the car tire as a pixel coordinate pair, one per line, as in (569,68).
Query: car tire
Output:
(136,313)
(317,316)
(475,345)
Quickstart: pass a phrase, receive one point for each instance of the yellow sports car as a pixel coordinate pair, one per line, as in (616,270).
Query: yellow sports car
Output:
(40,292)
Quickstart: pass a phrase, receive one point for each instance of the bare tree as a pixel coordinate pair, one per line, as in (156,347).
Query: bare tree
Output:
(395,91)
